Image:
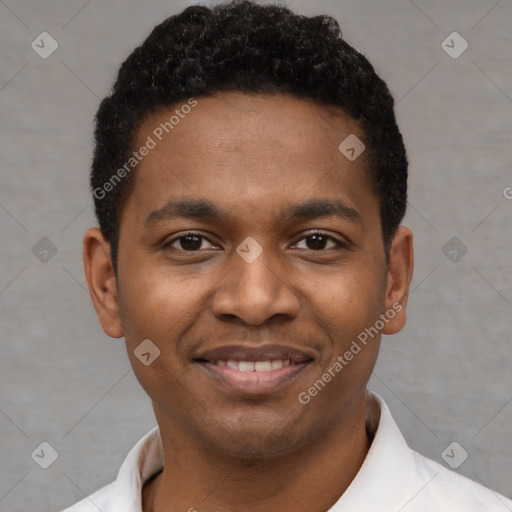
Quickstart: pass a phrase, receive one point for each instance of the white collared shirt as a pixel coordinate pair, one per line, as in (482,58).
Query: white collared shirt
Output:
(393,478)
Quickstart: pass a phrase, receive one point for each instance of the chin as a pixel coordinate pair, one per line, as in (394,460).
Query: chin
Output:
(251,444)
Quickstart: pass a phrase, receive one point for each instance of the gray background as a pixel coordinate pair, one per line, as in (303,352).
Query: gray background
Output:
(447,377)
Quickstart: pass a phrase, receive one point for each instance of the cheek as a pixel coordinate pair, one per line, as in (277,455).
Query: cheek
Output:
(346,308)
(156,310)
(159,305)
(345,305)
(347,301)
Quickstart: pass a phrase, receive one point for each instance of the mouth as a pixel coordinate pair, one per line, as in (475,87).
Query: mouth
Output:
(254,371)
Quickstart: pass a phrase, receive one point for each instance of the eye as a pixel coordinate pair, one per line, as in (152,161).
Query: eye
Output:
(319,241)
(189,242)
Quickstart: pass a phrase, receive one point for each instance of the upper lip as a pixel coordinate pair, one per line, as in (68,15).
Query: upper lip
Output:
(251,353)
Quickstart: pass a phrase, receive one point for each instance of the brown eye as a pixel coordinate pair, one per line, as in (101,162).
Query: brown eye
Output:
(319,242)
(189,242)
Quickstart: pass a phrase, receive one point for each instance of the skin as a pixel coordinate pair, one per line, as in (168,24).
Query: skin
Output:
(253,155)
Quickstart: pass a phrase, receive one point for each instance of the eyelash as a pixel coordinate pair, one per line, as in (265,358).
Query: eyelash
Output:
(339,244)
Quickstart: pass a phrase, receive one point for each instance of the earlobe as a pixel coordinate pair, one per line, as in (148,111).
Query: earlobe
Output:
(400,270)
(101,282)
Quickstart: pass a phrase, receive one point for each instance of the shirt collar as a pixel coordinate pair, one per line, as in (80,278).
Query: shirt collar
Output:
(388,469)
(144,460)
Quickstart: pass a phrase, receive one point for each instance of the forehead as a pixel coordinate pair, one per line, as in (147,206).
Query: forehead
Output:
(249,149)
(254,120)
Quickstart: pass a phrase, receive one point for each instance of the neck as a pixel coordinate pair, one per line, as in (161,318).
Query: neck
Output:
(313,478)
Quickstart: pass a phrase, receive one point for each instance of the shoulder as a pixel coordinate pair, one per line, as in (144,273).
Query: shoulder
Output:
(447,490)
(410,482)
(124,493)
(99,500)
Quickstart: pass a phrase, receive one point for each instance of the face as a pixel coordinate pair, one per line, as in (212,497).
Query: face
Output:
(251,255)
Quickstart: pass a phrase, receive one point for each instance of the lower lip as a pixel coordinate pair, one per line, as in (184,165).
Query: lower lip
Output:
(253,383)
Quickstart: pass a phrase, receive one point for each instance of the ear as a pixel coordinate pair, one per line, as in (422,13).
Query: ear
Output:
(400,269)
(101,280)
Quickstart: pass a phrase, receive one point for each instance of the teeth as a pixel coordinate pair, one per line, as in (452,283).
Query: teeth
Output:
(246,366)
(262,366)
(251,366)
(276,364)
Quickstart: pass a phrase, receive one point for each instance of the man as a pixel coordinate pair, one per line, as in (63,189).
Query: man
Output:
(249,180)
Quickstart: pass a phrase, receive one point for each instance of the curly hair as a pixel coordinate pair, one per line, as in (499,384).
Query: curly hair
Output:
(250,48)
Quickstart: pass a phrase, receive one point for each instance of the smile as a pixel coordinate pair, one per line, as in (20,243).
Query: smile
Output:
(255,366)
(253,371)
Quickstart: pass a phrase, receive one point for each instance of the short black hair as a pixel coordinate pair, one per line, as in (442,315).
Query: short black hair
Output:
(245,47)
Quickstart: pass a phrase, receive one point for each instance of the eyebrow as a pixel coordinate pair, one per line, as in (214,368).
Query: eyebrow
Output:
(315,208)
(188,209)
(206,210)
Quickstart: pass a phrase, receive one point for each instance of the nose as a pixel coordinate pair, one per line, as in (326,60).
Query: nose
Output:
(255,292)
